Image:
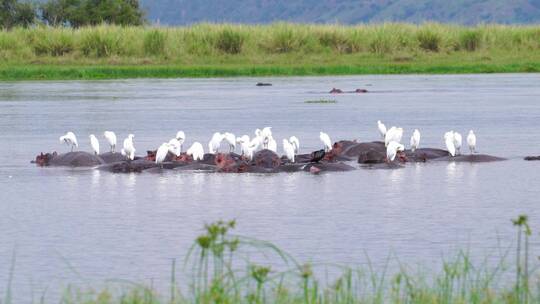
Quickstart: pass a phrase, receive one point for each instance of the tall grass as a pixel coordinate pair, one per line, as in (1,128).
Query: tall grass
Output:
(246,41)
(220,269)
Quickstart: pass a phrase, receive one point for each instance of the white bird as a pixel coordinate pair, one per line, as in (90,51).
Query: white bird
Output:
(471,141)
(69,139)
(94,143)
(392,149)
(393,134)
(231,140)
(326,141)
(457,142)
(111,138)
(129,149)
(266,134)
(288,147)
(382,128)
(449,142)
(213,145)
(296,144)
(256,143)
(175,146)
(415,140)
(244,144)
(181,137)
(161,153)
(196,151)
(272,144)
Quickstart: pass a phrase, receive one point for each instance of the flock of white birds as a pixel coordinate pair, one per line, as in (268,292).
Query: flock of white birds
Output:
(263,139)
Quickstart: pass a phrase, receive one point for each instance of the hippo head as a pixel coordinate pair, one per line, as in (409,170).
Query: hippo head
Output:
(184,157)
(224,162)
(267,159)
(43,159)
(337,149)
(151,155)
(402,157)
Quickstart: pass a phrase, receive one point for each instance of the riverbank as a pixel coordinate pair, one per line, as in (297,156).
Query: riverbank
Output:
(108,52)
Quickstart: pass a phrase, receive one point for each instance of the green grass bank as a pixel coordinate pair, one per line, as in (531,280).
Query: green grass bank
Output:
(223,50)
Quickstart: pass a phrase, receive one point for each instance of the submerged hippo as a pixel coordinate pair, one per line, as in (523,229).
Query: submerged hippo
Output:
(70,159)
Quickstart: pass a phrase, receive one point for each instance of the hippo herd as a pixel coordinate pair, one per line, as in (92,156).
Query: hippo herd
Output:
(339,158)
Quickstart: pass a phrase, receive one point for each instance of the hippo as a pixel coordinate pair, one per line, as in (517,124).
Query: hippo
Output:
(110,157)
(360,91)
(472,158)
(531,158)
(263,84)
(335,91)
(136,166)
(70,159)
(425,154)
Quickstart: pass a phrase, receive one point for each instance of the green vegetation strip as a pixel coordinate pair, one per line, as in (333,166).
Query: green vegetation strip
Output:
(282,49)
(117,72)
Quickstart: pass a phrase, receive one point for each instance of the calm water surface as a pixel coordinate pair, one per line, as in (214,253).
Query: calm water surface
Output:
(67,225)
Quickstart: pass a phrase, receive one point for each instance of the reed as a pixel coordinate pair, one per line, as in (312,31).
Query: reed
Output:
(249,49)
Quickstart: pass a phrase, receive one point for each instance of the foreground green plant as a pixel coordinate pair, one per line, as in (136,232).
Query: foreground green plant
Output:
(221,270)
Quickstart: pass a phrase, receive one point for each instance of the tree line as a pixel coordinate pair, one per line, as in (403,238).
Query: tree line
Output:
(74,13)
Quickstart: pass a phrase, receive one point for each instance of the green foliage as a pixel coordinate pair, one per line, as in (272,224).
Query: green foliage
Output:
(470,40)
(229,41)
(100,43)
(14,13)
(285,38)
(59,43)
(154,43)
(429,40)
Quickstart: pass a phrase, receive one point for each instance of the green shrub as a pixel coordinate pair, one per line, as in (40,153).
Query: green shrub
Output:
(54,44)
(380,43)
(285,40)
(337,41)
(229,41)
(100,43)
(154,43)
(470,40)
(428,40)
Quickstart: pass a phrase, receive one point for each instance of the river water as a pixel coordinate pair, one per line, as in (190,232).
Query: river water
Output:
(66,225)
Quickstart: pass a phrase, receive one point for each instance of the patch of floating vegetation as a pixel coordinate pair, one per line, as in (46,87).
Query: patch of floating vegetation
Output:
(321,101)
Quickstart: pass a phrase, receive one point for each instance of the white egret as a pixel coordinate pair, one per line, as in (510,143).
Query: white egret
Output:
(266,134)
(392,149)
(174,146)
(196,151)
(94,143)
(181,137)
(457,142)
(471,141)
(111,139)
(129,149)
(415,140)
(393,134)
(244,144)
(288,147)
(231,140)
(255,143)
(382,128)
(161,153)
(449,142)
(272,144)
(213,145)
(326,141)
(296,144)
(69,139)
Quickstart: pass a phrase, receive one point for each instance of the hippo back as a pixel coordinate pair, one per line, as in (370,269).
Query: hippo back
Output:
(76,159)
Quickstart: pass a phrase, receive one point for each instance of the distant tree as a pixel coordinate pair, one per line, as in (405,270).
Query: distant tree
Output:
(92,12)
(15,13)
